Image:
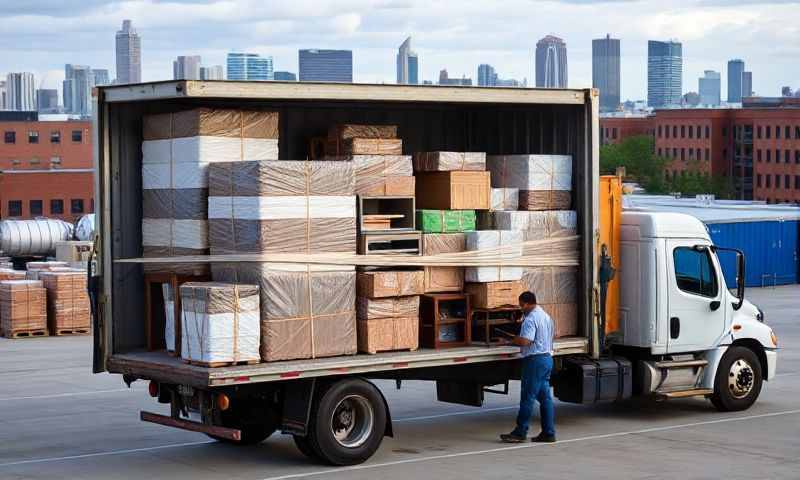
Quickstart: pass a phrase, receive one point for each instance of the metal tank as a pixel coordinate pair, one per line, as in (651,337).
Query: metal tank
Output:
(32,237)
(84,229)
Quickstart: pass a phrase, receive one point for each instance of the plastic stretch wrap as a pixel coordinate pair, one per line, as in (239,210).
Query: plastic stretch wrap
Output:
(11,274)
(565,318)
(215,122)
(449,161)
(381,174)
(67,300)
(169,315)
(505,199)
(282,207)
(307,311)
(443,279)
(171,234)
(175,204)
(84,229)
(393,307)
(364,146)
(350,130)
(23,306)
(393,283)
(492,239)
(445,221)
(219,322)
(534,225)
(32,237)
(531,172)
(552,284)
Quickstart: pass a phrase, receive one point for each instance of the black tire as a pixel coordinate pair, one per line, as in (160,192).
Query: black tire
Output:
(255,420)
(304,445)
(738,381)
(356,432)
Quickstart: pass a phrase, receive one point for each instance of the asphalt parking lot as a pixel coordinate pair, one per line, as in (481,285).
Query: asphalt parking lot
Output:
(57,420)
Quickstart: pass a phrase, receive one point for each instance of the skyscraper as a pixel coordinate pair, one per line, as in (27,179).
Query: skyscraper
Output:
(444,79)
(47,100)
(101,76)
(326,65)
(747,84)
(186,68)
(709,88)
(735,73)
(20,91)
(664,73)
(487,77)
(213,72)
(606,71)
(285,76)
(2,94)
(77,89)
(249,66)
(551,63)
(129,54)
(407,64)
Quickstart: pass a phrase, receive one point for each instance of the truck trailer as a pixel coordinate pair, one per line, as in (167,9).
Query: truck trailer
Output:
(676,329)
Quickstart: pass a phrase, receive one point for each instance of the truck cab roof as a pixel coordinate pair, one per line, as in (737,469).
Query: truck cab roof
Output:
(642,224)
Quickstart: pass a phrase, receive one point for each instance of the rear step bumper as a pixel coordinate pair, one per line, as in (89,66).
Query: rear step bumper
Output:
(222,432)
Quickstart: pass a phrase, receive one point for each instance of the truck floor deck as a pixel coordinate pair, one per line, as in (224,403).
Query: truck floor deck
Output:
(163,367)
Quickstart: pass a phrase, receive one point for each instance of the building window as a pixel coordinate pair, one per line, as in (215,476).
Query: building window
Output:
(614,133)
(697,155)
(708,131)
(769,156)
(768,131)
(666,131)
(55,162)
(674,152)
(659,151)
(36,207)
(758,132)
(691,131)
(10,137)
(787,132)
(724,153)
(797,156)
(787,156)
(683,131)
(76,205)
(758,155)
(797,182)
(683,154)
(797,133)
(777,131)
(77,136)
(15,208)
(708,154)
(724,131)
(659,131)
(57,206)
(777,181)
(768,178)
(35,161)
(691,153)
(674,131)
(699,132)
(787,182)
(33,136)
(758,180)
(55,136)
(777,156)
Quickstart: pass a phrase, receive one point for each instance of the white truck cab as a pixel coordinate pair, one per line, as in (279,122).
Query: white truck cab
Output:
(688,333)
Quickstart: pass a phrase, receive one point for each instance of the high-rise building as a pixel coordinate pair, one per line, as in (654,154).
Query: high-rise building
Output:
(664,73)
(20,92)
(786,91)
(2,94)
(747,84)
(47,100)
(551,63)
(214,72)
(186,67)
(735,74)
(101,76)
(709,88)
(129,54)
(318,65)
(407,64)
(444,79)
(606,71)
(285,76)
(487,77)
(249,66)
(77,89)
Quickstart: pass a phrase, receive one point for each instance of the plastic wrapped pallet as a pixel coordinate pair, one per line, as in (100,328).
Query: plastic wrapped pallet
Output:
(281,206)
(7,265)
(392,307)
(544,181)
(505,199)
(535,225)
(169,316)
(446,221)
(391,283)
(449,161)
(23,308)
(494,239)
(381,175)
(443,279)
(11,274)
(387,334)
(176,153)
(307,311)
(565,318)
(552,284)
(365,146)
(220,323)
(33,268)
(352,130)
(68,308)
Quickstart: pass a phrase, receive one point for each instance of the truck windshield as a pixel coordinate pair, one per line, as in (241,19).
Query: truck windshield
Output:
(694,271)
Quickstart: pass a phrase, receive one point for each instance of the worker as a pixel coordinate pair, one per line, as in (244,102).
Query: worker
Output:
(536,341)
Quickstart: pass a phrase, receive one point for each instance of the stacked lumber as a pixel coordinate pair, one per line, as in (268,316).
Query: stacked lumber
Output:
(388,310)
(68,311)
(544,181)
(23,308)
(443,279)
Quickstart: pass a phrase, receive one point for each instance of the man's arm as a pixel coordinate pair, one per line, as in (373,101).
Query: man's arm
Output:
(520,341)
(526,334)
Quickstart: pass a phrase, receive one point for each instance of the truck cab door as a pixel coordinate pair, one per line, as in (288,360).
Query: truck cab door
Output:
(696,306)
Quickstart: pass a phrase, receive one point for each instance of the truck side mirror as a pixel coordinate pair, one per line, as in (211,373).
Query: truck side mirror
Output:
(739,274)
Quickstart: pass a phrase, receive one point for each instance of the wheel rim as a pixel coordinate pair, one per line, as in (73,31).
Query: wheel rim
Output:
(352,421)
(741,378)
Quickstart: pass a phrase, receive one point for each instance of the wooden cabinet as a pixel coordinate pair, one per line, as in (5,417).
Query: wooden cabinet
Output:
(445,320)
(493,325)
(155,321)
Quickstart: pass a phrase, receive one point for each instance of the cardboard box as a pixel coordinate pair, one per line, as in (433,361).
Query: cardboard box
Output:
(365,146)
(552,285)
(10,274)
(545,200)
(454,190)
(352,130)
(505,199)
(381,175)
(565,318)
(443,279)
(387,334)
(492,239)
(449,161)
(73,251)
(494,294)
(395,283)
(23,307)
(68,309)
(446,221)
(372,308)
(531,172)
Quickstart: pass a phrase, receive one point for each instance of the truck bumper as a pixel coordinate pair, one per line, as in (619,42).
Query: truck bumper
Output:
(222,432)
(772,362)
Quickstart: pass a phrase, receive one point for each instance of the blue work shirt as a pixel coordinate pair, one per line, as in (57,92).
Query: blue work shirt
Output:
(537,326)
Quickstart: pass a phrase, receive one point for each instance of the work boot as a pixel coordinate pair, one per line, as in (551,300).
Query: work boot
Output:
(543,438)
(512,437)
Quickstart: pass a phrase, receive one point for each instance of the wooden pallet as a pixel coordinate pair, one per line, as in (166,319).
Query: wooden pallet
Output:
(38,332)
(369,352)
(62,332)
(198,363)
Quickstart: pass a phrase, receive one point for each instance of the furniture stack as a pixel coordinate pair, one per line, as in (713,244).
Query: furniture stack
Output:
(23,308)
(68,311)
(388,310)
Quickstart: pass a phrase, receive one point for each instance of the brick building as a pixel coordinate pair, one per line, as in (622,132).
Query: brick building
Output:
(615,129)
(46,169)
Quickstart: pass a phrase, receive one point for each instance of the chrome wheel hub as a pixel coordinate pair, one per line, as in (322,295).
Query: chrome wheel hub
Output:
(740,378)
(352,421)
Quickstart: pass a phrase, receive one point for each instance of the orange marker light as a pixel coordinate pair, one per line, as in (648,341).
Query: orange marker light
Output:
(223,402)
(737,327)
(774,338)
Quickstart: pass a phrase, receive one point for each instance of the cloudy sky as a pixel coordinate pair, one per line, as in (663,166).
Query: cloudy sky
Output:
(42,35)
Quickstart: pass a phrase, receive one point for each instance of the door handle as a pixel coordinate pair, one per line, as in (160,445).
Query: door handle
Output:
(674,327)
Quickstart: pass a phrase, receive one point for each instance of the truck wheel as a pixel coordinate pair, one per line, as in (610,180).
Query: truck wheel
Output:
(256,422)
(348,423)
(738,380)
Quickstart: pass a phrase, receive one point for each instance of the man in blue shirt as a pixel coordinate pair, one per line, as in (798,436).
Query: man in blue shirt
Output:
(536,341)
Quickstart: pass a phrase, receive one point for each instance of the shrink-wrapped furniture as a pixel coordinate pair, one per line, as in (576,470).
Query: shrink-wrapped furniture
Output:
(443,279)
(505,244)
(449,161)
(391,283)
(544,181)
(505,199)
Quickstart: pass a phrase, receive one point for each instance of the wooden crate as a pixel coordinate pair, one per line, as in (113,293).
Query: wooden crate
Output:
(390,283)
(68,309)
(155,321)
(453,190)
(398,213)
(445,320)
(387,334)
(381,243)
(23,308)
(495,294)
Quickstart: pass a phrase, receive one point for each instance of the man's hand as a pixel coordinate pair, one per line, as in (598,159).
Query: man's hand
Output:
(520,341)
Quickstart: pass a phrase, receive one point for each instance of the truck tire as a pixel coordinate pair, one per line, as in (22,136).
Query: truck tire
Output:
(304,445)
(348,422)
(738,380)
(255,421)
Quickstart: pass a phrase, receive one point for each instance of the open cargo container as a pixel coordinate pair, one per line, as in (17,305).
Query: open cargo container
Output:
(293,395)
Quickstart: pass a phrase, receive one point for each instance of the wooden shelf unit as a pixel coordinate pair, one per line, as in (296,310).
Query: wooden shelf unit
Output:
(433,316)
(486,320)
(155,316)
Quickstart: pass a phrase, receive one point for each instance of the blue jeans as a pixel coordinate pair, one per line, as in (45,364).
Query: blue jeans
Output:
(536,386)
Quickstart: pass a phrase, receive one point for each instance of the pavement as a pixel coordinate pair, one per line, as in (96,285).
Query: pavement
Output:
(58,420)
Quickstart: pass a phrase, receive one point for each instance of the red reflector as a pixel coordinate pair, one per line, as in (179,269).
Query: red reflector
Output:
(241,379)
(290,374)
(153,388)
(400,365)
(459,359)
(507,355)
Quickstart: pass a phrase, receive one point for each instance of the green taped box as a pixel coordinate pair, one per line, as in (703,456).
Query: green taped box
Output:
(446,221)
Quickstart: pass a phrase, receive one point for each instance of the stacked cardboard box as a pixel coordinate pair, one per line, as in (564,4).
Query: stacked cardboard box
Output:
(34,268)
(459,190)
(220,323)
(557,292)
(449,161)
(539,225)
(544,181)
(495,294)
(68,309)
(504,244)
(23,308)
(11,274)
(446,221)
(505,199)
(176,152)
(443,279)
(73,251)
(388,310)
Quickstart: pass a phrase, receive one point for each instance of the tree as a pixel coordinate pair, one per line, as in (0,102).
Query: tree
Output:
(642,165)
